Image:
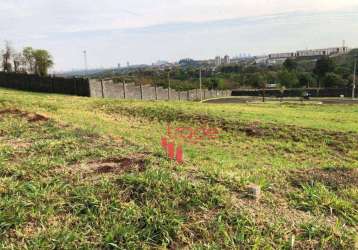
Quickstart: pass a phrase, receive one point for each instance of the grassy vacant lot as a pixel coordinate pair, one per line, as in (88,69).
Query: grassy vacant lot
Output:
(90,173)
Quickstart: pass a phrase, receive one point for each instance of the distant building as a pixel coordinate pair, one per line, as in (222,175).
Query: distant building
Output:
(312,52)
(322,52)
(276,61)
(261,59)
(160,63)
(119,65)
(217,60)
(281,55)
(226,59)
(187,62)
(208,62)
(235,60)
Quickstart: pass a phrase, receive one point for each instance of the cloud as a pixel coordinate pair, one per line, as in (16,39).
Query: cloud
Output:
(256,35)
(43,16)
(145,30)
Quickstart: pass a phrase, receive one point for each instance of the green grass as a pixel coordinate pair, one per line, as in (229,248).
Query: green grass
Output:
(93,175)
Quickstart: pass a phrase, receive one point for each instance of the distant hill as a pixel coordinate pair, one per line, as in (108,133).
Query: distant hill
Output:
(80,73)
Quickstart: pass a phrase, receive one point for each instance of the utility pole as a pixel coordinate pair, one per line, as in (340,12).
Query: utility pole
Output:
(85,61)
(200,86)
(354,76)
(169,85)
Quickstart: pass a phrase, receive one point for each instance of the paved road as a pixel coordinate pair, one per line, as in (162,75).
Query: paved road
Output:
(259,99)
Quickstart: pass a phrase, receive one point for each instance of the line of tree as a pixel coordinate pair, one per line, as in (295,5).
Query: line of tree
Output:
(29,60)
(323,72)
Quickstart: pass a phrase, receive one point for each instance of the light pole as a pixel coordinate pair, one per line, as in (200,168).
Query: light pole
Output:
(354,76)
(85,61)
(169,84)
(200,86)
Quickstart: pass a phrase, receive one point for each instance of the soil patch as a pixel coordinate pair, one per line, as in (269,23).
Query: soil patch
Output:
(111,166)
(334,178)
(36,118)
(17,143)
(31,117)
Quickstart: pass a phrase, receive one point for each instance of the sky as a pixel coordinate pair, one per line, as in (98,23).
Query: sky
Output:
(144,31)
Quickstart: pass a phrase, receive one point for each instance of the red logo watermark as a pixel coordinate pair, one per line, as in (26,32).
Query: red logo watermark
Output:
(175,138)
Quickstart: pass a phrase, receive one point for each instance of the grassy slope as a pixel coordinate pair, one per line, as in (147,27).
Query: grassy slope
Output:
(57,191)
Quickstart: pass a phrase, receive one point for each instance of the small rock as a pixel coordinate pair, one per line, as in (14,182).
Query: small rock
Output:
(254,191)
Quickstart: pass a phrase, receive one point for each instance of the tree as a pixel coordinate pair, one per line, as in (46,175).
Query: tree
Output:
(258,80)
(333,80)
(6,57)
(288,79)
(251,69)
(214,83)
(28,54)
(271,77)
(43,61)
(305,79)
(231,69)
(323,66)
(290,64)
(19,62)
(344,71)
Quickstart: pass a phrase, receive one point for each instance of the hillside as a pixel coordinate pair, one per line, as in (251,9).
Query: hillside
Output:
(299,72)
(91,173)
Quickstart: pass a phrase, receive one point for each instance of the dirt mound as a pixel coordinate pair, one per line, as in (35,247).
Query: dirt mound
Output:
(36,118)
(335,178)
(31,117)
(111,166)
(117,165)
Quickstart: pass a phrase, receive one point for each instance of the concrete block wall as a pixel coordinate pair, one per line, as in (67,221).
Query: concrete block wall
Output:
(183,95)
(193,94)
(148,93)
(133,92)
(162,93)
(112,90)
(99,88)
(108,89)
(95,88)
(174,95)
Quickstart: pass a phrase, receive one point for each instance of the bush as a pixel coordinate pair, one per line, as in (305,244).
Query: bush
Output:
(333,80)
(288,79)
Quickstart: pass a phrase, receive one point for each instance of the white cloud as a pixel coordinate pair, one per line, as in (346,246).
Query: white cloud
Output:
(53,24)
(69,15)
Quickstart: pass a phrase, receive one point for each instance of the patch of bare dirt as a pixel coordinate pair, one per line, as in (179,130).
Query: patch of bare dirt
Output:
(17,143)
(253,130)
(333,177)
(111,166)
(36,118)
(31,117)
(10,111)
